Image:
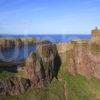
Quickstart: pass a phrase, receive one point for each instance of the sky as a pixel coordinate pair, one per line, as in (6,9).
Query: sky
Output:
(49,16)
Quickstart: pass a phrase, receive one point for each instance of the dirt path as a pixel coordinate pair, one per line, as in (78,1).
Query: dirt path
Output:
(65,90)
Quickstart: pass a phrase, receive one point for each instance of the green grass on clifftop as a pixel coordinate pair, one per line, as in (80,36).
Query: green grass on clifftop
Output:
(80,88)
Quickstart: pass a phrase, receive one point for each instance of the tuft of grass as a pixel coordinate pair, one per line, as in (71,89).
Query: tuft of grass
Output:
(5,74)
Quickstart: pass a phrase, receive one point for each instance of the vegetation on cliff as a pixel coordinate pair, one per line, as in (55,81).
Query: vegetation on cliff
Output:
(95,48)
(10,42)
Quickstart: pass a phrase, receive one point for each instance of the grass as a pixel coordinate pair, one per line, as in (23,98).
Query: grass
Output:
(79,41)
(5,74)
(80,88)
(17,38)
(32,40)
(95,48)
(54,91)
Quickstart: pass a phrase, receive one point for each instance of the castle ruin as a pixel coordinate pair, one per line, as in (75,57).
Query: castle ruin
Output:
(96,36)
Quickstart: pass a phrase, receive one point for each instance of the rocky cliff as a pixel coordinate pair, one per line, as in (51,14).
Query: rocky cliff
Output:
(84,62)
(43,66)
(5,43)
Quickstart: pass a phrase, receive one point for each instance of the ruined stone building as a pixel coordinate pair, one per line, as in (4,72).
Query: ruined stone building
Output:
(96,36)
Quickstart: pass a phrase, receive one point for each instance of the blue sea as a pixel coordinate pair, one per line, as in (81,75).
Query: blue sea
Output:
(53,38)
(16,53)
(61,38)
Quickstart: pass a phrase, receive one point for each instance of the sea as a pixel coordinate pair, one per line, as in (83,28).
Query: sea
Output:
(55,38)
(21,53)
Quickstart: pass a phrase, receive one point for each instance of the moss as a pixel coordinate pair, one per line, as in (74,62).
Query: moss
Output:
(95,48)
(79,41)
(34,55)
(5,74)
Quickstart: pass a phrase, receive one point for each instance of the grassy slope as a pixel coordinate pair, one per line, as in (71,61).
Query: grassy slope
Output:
(53,92)
(80,88)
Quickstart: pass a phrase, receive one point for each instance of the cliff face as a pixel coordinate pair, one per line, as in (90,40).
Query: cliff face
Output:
(83,62)
(5,43)
(10,43)
(40,67)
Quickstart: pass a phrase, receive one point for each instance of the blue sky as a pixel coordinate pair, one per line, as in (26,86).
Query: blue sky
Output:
(49,16)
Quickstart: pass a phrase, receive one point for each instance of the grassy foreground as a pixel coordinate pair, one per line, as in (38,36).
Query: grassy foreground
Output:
(53,92)
(78,88)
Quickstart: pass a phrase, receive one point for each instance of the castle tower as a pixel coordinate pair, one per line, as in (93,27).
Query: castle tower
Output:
(96,36)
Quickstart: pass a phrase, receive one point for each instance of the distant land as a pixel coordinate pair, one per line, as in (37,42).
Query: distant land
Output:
(55,38)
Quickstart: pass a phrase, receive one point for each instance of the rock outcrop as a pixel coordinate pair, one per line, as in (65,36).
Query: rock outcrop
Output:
(43,65)
(83,62)
(13,86)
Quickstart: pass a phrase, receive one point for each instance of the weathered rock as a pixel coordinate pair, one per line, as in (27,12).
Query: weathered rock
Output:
(13,86)
(83,62)
(18,42)
(42,66)
(6,43)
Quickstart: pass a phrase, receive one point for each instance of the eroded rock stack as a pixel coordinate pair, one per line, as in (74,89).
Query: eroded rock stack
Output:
(42,66)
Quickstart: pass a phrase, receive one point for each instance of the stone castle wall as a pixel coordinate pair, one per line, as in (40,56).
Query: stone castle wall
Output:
(95,36)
